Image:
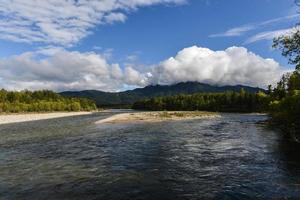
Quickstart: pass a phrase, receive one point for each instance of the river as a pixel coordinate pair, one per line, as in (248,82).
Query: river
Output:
(232,157)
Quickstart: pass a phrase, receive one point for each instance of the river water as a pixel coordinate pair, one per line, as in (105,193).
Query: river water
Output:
(232,157)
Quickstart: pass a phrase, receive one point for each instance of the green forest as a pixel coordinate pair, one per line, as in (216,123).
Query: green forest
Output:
(220,102)
(285,105)
(282,102)
(41,101)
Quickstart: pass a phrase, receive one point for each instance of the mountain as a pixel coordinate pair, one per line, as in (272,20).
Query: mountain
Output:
(129,97)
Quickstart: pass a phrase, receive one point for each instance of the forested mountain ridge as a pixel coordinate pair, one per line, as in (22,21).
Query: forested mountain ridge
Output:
(131,96)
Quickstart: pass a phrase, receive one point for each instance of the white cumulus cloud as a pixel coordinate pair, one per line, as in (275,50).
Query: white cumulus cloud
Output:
(64,70)
(235,65)
(58,69)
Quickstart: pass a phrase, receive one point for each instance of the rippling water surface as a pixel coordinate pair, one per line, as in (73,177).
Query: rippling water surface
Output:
(232,157)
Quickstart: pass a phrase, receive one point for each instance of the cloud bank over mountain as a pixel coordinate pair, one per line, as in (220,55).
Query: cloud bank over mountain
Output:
(235,65)
(60,69)
(63,70)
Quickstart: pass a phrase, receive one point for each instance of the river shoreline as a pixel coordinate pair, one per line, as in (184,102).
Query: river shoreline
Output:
(26,117)
(157,116)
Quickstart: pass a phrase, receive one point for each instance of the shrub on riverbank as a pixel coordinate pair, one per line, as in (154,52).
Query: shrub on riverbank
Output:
(285,107)
(286,113)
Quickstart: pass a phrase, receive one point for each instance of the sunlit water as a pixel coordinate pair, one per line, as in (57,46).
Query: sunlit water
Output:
(232,157)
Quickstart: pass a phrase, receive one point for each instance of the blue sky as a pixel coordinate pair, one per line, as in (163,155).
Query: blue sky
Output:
(161,31)
(120,44)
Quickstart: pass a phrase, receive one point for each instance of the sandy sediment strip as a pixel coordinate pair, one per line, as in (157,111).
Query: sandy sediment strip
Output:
(157,116)
(14,118)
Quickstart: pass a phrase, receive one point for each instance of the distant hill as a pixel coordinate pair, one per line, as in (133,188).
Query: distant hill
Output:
(129,97)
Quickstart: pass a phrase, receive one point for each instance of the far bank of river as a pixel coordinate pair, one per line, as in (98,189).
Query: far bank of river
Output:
(15,118)
(126,116)
(158,116)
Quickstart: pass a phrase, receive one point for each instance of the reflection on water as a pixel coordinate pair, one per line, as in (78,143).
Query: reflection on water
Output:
(72,158)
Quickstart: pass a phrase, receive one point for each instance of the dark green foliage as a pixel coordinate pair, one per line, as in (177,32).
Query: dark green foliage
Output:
(129,97)
(290,46)
(41,101)
(294,81)
(286,113)
(223,102)
(285,107)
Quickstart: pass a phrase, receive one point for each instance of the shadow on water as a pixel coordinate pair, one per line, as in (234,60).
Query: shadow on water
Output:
(72,158)
(290,155)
